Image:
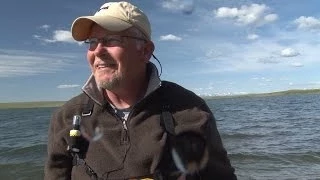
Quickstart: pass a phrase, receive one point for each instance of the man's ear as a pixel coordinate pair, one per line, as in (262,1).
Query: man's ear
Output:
(147,51)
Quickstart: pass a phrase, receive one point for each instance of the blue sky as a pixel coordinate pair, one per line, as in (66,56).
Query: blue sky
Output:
(212,47)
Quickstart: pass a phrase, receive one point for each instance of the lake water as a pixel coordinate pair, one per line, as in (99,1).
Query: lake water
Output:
(276,137)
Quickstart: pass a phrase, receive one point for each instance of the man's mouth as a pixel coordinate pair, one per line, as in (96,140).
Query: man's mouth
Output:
(106,65)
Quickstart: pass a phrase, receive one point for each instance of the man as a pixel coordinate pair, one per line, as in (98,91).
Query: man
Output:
(133,125)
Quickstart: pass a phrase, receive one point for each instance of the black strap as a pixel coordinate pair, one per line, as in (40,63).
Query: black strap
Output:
(167,123)
(87,107)
(166,120)
(93,175)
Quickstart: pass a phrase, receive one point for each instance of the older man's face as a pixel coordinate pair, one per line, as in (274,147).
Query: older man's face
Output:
(114,59)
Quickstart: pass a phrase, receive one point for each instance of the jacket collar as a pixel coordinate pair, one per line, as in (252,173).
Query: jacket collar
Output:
(96,93)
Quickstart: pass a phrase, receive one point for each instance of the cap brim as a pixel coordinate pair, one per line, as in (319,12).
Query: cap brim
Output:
(81,27)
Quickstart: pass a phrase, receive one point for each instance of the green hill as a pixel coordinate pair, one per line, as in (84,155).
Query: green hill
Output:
(31,104)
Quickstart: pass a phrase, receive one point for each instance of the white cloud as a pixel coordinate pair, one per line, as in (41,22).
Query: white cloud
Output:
(15,63)
(255,14)
(264,79)
(45,27)
(297,64)
(308,23)
(268,60)
(58,36)
(170,37)
(36,36)
(252,36)
(185,6)
(225,12)
(263,54)
(289,52)
(65,86)
(61,36)
(268,80)
(271,17)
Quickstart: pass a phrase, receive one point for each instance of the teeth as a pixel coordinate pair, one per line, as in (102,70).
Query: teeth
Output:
(101,66)
(105,65)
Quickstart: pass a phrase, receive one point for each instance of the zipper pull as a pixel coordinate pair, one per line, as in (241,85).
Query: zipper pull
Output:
(125,138)
(124,124)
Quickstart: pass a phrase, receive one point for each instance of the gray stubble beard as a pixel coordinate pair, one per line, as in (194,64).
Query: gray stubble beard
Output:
(111,85)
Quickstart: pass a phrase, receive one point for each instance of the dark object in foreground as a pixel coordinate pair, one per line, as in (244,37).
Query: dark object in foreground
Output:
(189,152)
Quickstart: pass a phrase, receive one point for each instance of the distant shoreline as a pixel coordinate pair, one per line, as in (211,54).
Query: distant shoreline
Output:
(40,104)
(279,93)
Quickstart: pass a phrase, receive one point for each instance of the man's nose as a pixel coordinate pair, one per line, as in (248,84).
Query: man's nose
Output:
(100,49)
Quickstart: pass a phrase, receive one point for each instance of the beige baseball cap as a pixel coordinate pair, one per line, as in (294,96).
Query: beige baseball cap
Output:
(113,16)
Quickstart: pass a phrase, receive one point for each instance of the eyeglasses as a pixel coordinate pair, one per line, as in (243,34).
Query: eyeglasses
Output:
(109,41)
